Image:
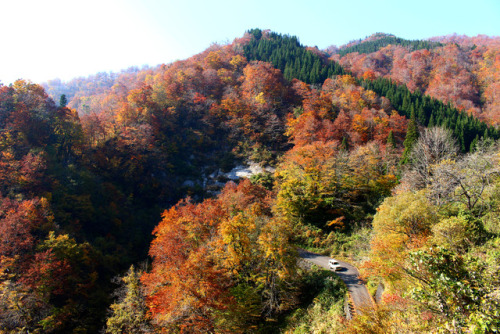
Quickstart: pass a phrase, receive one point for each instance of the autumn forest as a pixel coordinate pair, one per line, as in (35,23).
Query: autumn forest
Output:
(176,198)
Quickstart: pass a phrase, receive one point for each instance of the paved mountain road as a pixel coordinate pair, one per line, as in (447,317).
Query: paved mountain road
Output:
(349,274)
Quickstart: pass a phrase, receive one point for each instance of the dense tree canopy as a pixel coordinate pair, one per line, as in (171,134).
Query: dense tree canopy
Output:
(84,182)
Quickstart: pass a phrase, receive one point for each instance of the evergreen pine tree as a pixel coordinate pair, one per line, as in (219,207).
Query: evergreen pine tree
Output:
(63,101)
(345,145)
(432,123)
(473,144)
(129,313)
(421,115)
(411,138)
(391,141)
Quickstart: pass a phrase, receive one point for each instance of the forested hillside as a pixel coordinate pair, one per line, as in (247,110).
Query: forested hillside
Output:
(290,57)
(463,71)
(93,94)
(118,213)
(380,40)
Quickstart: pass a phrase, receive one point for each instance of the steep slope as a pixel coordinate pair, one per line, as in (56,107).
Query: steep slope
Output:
(464,74)
(382,64)
(288,55)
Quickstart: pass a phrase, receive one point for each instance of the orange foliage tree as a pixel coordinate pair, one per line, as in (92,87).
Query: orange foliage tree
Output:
(221,264)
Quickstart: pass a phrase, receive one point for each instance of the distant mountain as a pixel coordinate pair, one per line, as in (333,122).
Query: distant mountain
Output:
(85,93)
(459,70)
(377,41)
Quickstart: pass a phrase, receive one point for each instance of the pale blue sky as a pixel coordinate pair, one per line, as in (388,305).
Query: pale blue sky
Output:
(42,40)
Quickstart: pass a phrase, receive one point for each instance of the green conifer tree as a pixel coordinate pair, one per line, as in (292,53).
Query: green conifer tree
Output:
(432,122)
(129,313)
(63,101)
(473,144)
(411,138)
(345,145)
(391,141)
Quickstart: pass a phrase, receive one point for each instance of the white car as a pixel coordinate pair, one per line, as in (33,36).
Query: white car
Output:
(334,265)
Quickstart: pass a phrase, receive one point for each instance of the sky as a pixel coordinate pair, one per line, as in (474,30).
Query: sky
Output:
(44,40)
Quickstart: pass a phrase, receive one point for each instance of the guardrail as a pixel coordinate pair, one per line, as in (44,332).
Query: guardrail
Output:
(349,308)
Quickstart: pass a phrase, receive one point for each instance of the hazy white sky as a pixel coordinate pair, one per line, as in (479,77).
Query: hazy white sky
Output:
(46,39)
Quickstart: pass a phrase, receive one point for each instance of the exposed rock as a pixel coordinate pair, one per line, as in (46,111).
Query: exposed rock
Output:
(252,169)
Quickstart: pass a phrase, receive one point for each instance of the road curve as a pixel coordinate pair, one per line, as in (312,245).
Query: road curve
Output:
(349,274)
